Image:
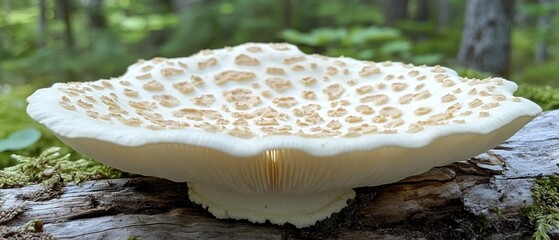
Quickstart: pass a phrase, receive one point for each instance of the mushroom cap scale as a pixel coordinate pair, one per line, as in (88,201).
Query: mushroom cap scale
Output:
(267,118)
(229,82)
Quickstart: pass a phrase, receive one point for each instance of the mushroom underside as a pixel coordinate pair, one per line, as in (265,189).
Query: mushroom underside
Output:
(285,185)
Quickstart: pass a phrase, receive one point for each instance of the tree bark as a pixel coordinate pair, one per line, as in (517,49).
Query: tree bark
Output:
(422,12)
(485,44)
(444,11)
(182,7)
(42,36)
(544,28)
(95,15)
(64,11)
(478,198)
(287,13)
(168,6)
(159,37)
(396,10)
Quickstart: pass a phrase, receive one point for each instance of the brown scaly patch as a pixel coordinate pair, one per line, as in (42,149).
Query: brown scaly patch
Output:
(10,213)
(52,188)
(31,230)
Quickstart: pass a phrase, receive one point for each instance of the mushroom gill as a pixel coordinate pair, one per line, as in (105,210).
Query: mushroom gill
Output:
(266,132)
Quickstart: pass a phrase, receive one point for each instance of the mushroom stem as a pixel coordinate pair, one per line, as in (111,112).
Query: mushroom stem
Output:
(276,207)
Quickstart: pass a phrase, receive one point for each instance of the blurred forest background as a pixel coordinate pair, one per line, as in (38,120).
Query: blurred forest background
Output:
(48,41)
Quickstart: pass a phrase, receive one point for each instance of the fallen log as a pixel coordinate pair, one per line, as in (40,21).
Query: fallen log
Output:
(481,197)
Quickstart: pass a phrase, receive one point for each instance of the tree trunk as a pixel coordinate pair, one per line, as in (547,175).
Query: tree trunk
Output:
(64,11)
(168,6)
(6,41)
(544,28)
(42,36)
(396,10)
(422,12)
(95,15)
(182,7)
(444,11)
(159,37)
(287,13)
(486,37)
(478,198)
(521,18)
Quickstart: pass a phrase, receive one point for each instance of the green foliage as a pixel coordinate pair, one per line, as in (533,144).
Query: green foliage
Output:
(52,164)
(13,118)
(544,213)
(522,61)
(522,57)
(19,26)
(524,42)
(542,74)
(144,29)
(20,139)
(12,110)
(214,24)
(47,66)
(427,40)
(537,9)
(133,29)
(369,43)
(361,13)
(546,224)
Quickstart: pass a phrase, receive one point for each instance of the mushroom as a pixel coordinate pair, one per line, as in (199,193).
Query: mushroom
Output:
(264,132)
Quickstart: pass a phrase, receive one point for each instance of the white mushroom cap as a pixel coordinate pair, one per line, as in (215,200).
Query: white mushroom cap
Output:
(267,118)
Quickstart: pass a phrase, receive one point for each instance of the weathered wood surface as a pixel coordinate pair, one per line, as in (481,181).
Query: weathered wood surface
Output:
(477,198)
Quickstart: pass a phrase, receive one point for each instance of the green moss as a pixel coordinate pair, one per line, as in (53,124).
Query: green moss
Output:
(51,168)
(547,97)
(50,189)
(544,213)
(471,73)
(52,164)
(34,225)
(483,223)
(31,230)
(544,74)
